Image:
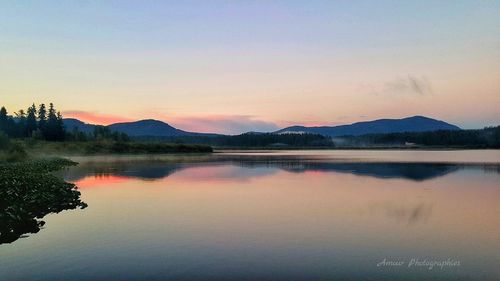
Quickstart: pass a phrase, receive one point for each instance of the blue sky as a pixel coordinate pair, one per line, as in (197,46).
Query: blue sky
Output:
(254,65)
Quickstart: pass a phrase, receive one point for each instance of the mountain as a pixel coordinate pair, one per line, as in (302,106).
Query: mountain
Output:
(381,126)
(142,128)
(148,127)
(155,128)
(71,124)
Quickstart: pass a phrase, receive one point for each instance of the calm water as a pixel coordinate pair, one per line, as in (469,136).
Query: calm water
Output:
(310,215)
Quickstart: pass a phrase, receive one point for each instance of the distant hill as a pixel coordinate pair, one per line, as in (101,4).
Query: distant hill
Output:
(142,128)
(148,127)
(159,129)
(381,126)
(72,123)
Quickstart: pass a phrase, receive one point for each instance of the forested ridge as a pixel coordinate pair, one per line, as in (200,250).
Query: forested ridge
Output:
(488,137)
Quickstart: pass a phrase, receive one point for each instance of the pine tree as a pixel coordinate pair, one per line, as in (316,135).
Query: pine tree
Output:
(31,124)
(54,129)
(42,118)
(60,127)
(51,127)
(21,123)
(7,124)
(3,119)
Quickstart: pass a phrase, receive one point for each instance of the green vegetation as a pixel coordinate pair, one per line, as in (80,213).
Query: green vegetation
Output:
(275,140)
(28,192)
(100,133)
(108,147)
(10,151)
(484,138)
(255,140)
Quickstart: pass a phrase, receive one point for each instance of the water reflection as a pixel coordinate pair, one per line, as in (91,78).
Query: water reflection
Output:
(155,170)
(410,171)
(267,218)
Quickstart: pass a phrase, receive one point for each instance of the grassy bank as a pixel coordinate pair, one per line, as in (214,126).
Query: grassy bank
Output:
(28,192)
(108,147)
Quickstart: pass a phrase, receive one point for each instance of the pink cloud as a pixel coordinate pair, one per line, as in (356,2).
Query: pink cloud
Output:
(223,124)
(94,118)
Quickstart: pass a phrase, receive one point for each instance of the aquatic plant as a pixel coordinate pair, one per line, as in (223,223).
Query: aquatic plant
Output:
(28,192)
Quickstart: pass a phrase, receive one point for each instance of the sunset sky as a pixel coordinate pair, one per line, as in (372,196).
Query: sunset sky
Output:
(236,66)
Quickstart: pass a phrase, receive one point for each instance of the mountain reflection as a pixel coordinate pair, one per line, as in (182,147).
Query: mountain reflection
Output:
(256,167)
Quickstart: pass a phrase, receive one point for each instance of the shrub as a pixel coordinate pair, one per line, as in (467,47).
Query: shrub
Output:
(4,141)
(16,153)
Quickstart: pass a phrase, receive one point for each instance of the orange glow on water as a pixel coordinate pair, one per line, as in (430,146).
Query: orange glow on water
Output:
(100,180)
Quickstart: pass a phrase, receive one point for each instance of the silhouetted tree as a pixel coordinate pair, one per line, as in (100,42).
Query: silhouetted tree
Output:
(49,125)
(496,137)
(60,127)
(21,123)
(7,124)
(104,133)
(42,118)
(3,119)
(77,135)
(31,124)
(54,130)
(101,132)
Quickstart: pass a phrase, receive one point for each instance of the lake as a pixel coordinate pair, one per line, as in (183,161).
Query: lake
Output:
(273,215)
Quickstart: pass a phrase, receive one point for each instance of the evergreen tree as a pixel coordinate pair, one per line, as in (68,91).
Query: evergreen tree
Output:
(31,124)
(3,119)
(60,132)
(49,126)
(7,124)
(52,123)
(21,123)
(54,129)
(42,118)
(77,135)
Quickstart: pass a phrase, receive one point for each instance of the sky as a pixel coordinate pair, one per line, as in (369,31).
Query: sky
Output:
(237,66)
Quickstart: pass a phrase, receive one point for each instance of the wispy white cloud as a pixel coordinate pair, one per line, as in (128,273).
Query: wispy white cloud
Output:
(403,86)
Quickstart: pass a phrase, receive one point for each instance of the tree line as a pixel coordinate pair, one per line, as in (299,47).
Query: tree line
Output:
(275,140)
(44,123)
(99,133)
(488,137)
(251,140)
(39,123)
